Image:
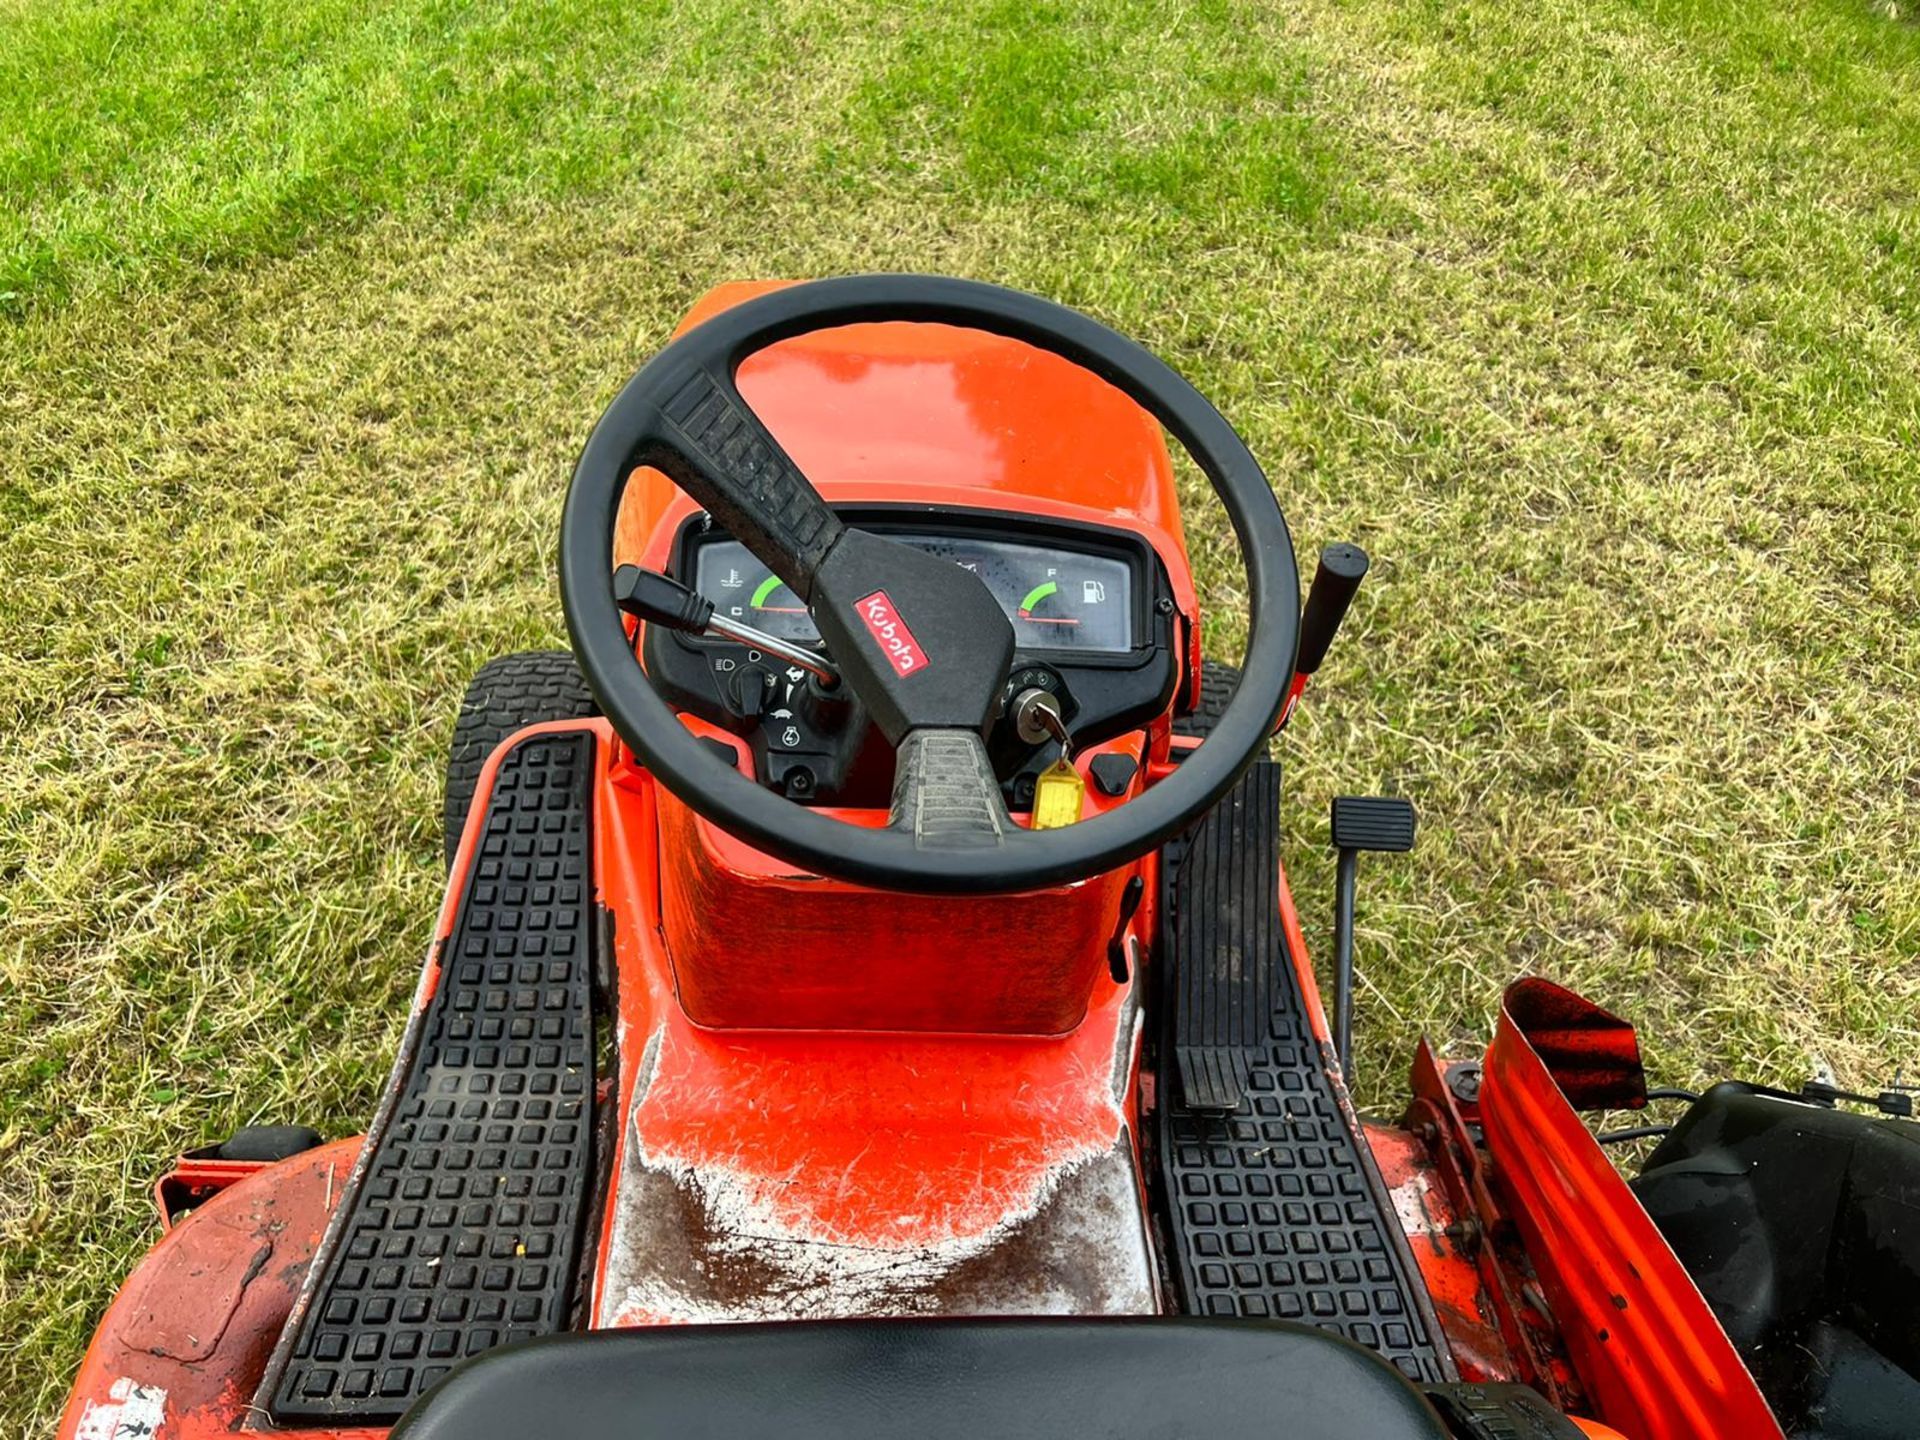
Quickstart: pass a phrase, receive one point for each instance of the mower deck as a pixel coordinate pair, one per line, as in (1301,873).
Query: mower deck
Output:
(1276,1210)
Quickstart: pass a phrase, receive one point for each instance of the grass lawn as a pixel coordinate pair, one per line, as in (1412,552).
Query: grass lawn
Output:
(1596,321)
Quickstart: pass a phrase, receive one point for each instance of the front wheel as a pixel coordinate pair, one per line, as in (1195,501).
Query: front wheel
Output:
(1217,679)
(506,695)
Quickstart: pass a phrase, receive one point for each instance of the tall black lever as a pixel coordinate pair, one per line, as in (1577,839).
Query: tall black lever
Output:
(1360,822)
(1341,569)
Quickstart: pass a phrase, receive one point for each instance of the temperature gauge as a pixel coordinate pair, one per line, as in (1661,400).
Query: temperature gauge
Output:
(743,589)
(772,597)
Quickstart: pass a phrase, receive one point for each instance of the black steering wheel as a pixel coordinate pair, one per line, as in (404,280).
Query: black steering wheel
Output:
(921,642)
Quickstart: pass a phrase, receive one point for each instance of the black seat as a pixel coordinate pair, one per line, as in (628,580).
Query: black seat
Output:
(1146,1379)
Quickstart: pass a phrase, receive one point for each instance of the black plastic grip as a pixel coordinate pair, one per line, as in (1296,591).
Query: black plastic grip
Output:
(1342,567)
(660,600)
(945,794)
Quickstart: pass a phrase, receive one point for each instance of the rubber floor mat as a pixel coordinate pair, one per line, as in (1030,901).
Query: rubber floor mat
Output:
(1275,1206)
(462,1231)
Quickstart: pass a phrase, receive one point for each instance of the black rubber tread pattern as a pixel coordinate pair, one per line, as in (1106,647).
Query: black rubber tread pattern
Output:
(1372,822)
(463,1230)
(506,694)
(1217,682)
(1274,1210)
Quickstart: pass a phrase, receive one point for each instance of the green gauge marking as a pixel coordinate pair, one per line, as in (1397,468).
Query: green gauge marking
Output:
(1035,596)
(764,591)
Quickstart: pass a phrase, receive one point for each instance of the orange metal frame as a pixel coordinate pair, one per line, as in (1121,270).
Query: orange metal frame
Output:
(1646,1347)
(755,945)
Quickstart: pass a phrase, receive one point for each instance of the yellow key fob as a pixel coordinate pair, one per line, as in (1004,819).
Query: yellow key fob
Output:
(1056,796)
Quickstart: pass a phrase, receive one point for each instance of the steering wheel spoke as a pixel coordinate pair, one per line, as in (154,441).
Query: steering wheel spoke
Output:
(707,440)
(945,794)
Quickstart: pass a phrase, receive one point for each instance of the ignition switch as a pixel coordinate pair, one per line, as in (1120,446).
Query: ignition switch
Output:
(1058,790)
(1037,719)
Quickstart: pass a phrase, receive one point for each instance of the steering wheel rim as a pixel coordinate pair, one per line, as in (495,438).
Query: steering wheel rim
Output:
(751,485)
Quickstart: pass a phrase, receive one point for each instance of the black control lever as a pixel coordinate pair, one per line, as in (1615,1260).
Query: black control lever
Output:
(661,600)
(1360,822)
(1335,580)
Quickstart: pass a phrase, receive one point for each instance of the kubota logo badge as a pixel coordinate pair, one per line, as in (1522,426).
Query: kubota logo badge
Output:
(883,622)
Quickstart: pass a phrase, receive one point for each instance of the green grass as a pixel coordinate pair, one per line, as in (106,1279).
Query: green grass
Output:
(1598,323)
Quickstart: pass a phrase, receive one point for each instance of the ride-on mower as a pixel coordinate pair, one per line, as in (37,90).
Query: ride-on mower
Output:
(868,1001)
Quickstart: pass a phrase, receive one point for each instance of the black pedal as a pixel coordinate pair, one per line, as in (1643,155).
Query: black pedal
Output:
(1372,822)
(1360,822)
(1212,1077)
(1224,952)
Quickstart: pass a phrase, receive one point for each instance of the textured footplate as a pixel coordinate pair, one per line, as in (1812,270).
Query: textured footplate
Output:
(463,1230)
(1276,1209)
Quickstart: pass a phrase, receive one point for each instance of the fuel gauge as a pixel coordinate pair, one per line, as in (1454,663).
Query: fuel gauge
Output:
(1070,608)
(1041,605)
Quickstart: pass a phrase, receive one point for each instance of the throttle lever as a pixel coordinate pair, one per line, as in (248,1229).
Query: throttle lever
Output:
(661,600)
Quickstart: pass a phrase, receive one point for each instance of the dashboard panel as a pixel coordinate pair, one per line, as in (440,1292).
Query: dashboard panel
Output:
(1057,599)
(1093,619)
